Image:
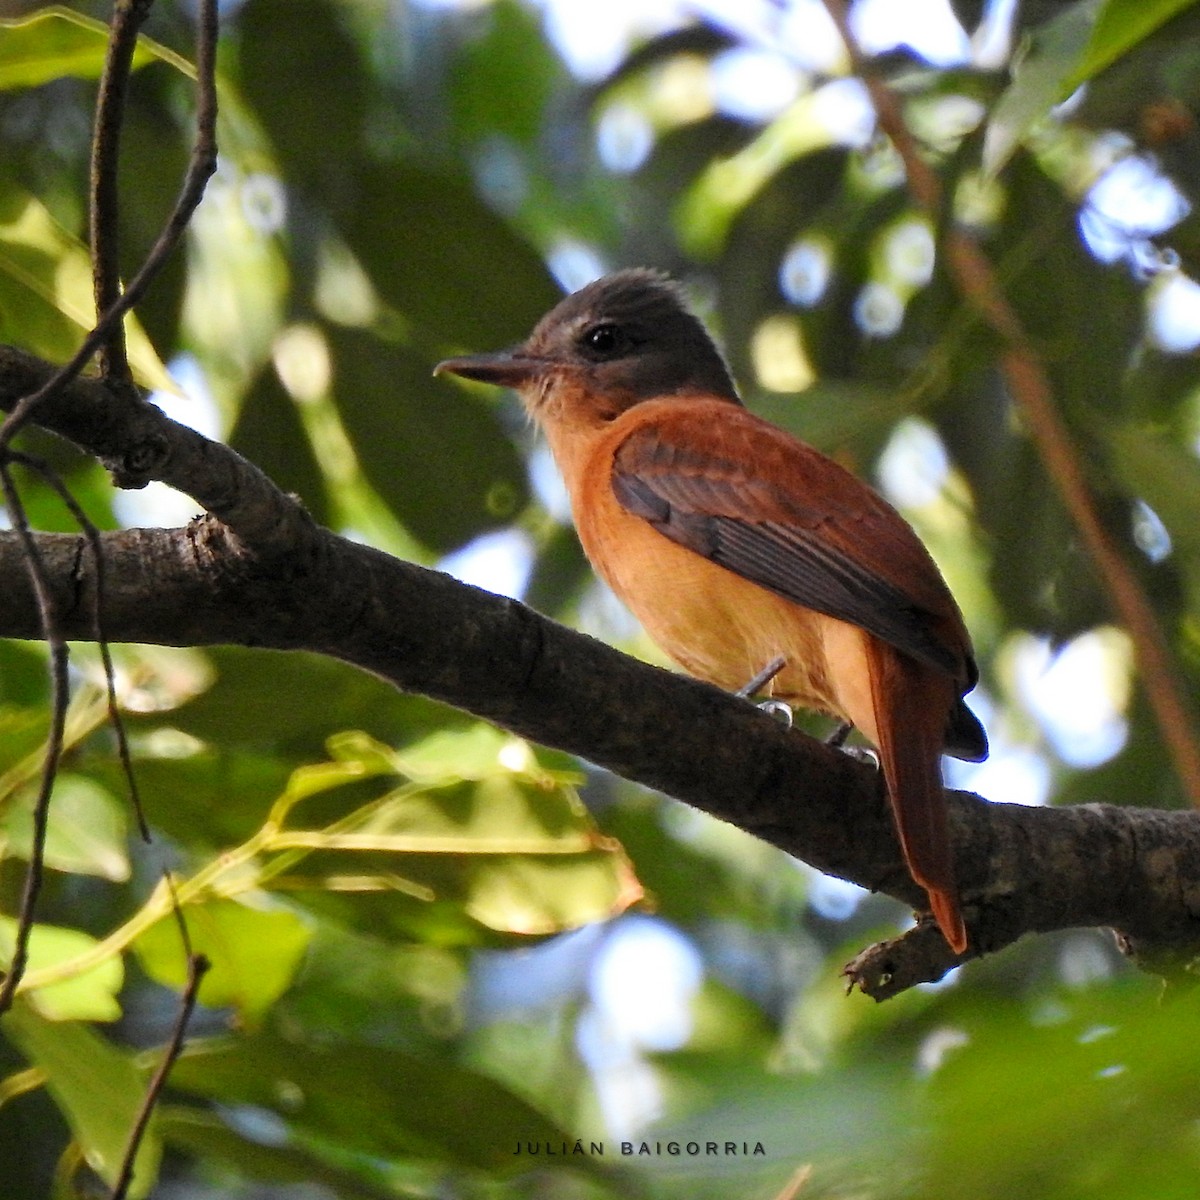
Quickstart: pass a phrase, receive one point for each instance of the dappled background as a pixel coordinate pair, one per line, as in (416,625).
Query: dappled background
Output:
(431,941)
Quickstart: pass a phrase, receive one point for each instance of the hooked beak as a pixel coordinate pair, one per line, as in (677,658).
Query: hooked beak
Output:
(504,368)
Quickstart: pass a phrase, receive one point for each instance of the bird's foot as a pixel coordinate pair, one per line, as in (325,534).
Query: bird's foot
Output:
(862,753)
(837,739)
(764,677)
(773,708)
(781,711)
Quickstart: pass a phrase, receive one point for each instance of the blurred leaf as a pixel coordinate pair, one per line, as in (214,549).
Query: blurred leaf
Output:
(497,61)
(1046,75)
(237,282)
(206,1136)
(97,1087)
(318,108)
(808,200)
(454,271)
(271,434)
(1119,27)
(1097,1100)
(88,482)
(151,167)
(207,799)
(89,996)
(1165,475)
(478,752)
(53,42)
(23,684)
(511,846)
(308,696)
(86,834)
(254,954)
(46,288)
(851,1134)
(1040,572)
(560,573)
(713,201)
(831,414)
(434,452)
(704,40)
(372,1100)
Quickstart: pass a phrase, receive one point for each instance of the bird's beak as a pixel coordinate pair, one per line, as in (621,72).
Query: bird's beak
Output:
(504,368)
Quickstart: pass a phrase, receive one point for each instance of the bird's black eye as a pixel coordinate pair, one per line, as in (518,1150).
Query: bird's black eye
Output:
(604,340)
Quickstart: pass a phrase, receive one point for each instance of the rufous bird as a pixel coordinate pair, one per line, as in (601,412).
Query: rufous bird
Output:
(735,543)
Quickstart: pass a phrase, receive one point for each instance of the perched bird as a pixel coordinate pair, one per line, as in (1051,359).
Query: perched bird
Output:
(735,543)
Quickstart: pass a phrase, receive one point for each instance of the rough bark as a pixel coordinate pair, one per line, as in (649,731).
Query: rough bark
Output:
(257,571)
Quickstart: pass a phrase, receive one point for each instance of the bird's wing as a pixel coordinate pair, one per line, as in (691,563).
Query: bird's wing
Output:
(750,497)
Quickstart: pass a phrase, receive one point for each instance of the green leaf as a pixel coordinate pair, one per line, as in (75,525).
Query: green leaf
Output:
(1045,76)
(372,1100)
(508,60)
(46,288)
(98,1088)
(87,829)
(712,203)
(271,434)
(253,954)
(54,42)
(89,996)
(476,752)
(435,453)
(1164,474)
(1119,27)
(330,106)
(832,414)
(454,271)
(1096,1098)
(510,846)
(206,1137)
(313,696)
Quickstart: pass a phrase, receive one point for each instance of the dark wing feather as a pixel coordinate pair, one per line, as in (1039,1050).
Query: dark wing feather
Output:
(811,536)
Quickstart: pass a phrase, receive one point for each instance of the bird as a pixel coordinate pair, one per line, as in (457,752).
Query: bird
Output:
(735,543)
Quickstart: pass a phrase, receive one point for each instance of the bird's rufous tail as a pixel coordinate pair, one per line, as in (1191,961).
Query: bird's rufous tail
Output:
(912,703)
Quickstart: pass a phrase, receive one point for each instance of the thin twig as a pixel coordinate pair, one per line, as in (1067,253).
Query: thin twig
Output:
(104,202)
(201,165)
(198,965)
(48,616)
(95,545)
(1029,384)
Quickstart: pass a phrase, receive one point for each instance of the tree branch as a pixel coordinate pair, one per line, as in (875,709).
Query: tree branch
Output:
(277,580)
(128,17)
(1030,387)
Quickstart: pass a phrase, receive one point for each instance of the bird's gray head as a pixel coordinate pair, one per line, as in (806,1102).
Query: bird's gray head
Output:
(626,338)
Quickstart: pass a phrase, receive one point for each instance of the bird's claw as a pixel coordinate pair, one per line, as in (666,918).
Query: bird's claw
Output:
(862,754)
(778,710)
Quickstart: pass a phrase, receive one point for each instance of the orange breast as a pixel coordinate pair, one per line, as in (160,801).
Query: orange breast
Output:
(717,625)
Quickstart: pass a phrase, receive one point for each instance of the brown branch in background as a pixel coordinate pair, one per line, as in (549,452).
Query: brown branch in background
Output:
(202,164)
(104,205)
(198,966)
(52,629)
(1029,385)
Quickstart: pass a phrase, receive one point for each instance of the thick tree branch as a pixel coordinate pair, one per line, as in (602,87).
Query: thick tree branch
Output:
(134,441)
(269,577)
